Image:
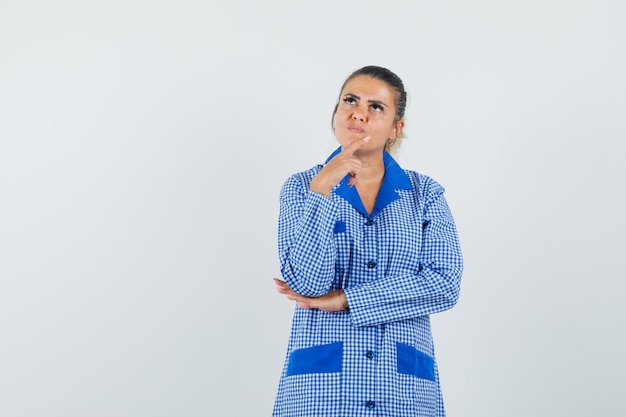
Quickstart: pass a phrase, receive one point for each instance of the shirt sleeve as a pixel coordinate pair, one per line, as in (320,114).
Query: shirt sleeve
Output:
(306,249)
(433,288)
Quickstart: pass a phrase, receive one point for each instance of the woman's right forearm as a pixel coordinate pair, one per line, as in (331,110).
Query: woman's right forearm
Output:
(305,241)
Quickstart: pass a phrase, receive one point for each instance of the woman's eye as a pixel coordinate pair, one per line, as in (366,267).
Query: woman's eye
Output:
(377,107)
(349,100)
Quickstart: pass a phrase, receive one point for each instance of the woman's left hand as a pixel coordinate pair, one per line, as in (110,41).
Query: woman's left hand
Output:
(334,300)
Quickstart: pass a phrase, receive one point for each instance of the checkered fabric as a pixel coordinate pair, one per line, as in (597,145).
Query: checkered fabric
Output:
(396,266)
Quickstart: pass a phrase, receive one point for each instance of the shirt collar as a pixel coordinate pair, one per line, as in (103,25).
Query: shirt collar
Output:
(395,179)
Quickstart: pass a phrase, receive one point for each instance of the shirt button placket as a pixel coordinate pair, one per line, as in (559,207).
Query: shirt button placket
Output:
(370,241)
(370,233)
(370,354)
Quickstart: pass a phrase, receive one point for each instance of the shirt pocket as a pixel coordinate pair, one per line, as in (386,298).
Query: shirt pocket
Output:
(340,227)
(317,359)
(413,362)
(417,385)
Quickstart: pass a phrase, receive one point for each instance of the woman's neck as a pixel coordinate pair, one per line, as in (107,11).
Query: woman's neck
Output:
(372,167)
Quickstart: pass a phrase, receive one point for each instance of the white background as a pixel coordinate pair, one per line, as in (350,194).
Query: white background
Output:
(143,145)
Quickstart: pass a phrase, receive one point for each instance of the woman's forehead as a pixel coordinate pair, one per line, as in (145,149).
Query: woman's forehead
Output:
(369,88)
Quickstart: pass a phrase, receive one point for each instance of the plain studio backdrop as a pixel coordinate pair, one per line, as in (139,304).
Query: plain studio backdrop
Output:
(143,145)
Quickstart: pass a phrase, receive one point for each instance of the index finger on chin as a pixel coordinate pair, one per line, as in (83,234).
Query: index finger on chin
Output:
(354,146)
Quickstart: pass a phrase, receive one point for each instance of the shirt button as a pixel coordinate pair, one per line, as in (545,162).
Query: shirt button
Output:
(369,222)
(370,404)
(371,264)
(370,354)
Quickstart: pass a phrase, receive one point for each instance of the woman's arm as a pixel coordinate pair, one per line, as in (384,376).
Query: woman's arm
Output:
(306,248)
(434,288)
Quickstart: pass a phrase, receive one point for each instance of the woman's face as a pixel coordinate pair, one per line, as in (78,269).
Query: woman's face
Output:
(367,108)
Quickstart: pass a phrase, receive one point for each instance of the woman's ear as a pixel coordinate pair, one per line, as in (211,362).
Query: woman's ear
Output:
(397,129)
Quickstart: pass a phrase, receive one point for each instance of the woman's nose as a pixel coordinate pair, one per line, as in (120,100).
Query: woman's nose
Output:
(358,115)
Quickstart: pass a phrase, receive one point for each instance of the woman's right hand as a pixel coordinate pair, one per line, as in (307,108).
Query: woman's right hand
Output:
(333,300)
(344,163)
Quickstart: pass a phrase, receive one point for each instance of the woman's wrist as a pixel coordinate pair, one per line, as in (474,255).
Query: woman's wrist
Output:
(344,299)
(318,186)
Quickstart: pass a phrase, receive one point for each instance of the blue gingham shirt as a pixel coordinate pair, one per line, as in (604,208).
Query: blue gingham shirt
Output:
(396,266)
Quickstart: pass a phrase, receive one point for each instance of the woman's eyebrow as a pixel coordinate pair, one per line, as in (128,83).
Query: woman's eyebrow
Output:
(380,103)
(354,96)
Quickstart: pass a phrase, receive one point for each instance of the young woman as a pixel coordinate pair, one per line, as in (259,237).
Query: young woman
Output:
(368,251)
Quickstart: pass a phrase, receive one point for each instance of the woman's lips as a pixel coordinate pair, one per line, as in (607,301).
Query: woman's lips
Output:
(356,129)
